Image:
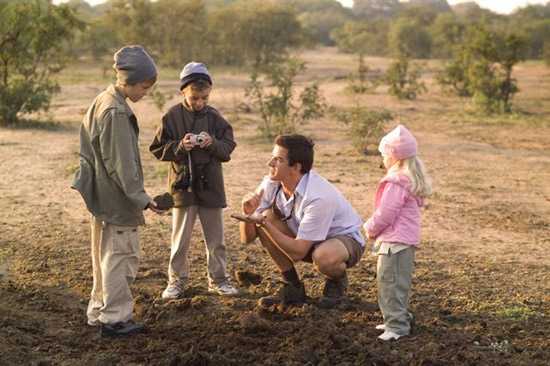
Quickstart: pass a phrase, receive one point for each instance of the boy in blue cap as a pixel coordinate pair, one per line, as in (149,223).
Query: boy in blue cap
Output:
(196,140)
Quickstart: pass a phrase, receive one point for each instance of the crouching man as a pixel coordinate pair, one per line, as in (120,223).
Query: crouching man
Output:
(299,216)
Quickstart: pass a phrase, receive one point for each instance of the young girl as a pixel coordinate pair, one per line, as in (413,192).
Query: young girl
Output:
(395,227)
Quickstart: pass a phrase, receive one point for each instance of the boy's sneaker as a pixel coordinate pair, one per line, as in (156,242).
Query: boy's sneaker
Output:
(334,292)
(173,291)
(388,335)
(120,329)
(287,294)
(223,288)
(381,327)
(93,322)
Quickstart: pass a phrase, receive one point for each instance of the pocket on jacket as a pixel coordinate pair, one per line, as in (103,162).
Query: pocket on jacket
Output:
(84,183)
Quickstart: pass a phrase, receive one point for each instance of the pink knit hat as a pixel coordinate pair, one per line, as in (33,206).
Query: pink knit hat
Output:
(399,143)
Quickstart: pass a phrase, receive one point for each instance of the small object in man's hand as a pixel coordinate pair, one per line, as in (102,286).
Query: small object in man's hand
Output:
(164,201)
(254,218)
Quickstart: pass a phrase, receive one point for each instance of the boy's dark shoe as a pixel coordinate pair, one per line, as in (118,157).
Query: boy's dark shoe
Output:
(287,294)
(334,292)
(120,329)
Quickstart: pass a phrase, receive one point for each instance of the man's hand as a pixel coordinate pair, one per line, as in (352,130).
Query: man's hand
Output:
(186,143)
(251,202)
(207,140)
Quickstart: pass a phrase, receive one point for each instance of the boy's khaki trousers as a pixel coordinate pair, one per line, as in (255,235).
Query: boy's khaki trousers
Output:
(115,256)
(183,220)
(394,276)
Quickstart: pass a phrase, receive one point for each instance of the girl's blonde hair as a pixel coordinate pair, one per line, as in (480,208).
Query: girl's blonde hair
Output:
(415,170)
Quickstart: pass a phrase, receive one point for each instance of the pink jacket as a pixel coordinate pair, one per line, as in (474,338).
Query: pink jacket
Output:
(397,212)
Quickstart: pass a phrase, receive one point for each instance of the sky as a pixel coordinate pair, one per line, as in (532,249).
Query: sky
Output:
(498,6)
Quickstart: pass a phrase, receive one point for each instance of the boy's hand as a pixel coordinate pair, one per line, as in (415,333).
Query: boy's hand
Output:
(251,202)
(207,140)
(153,207)
(186,142)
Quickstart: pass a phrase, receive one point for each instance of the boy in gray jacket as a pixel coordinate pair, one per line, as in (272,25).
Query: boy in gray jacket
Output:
(110,180)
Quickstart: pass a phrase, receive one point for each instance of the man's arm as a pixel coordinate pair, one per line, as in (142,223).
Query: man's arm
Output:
(295,249)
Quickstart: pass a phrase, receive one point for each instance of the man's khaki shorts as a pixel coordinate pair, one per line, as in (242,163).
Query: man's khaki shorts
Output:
(354,248)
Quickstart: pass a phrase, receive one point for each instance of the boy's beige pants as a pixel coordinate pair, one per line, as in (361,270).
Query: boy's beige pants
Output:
(394,276)
(115,256)
(183,220)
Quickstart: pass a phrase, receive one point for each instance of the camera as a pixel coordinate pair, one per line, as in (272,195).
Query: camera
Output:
(196,139)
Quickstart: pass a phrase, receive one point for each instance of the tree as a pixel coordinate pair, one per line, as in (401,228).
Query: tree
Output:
(33,38)
(363,37)
(130,21)
(446,31)
(408,37)
(178,31)
(482,68)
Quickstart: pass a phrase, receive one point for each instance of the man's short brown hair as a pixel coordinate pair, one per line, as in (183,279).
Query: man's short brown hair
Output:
(300,150)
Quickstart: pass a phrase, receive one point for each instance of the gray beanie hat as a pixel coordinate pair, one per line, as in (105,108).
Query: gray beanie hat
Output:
(134,65)
(194,71)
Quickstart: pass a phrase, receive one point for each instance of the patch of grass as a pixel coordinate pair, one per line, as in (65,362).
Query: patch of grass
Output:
(515,312)
(518,117)
(38,125)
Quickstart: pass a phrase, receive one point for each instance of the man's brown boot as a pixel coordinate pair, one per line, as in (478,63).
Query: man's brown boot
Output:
(334,292)
(287,294)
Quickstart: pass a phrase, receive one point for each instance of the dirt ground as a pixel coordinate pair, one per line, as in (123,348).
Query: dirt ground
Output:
(481,290)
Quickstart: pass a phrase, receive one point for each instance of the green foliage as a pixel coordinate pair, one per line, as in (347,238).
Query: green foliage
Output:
(256,33)
(33,38)
(447,30)
(279,113)
(365,127)
(362,37)
(403,79)
(159,99)
(546,53)
(407,37)
(482,68)
(360,82)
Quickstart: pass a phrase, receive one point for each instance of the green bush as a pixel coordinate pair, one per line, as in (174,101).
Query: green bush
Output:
(360,82)
(33,37)
(365,127)
(403,79)
(277,109)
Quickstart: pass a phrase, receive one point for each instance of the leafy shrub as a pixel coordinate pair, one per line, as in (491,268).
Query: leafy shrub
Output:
(360,82)
(482,68)
(403,79)
(365,127)
(279,113)
(32,40)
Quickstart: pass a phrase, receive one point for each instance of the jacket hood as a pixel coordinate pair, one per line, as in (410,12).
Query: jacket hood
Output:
(403,181)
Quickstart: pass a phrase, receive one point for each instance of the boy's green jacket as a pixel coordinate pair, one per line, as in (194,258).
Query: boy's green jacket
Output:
(110,177)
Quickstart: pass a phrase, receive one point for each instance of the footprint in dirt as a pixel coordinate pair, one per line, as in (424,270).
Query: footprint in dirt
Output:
(246,278)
